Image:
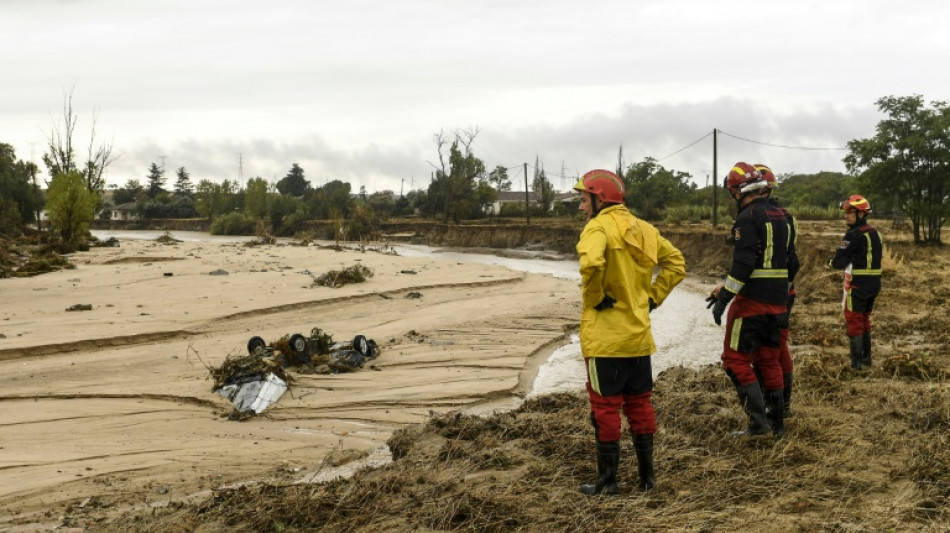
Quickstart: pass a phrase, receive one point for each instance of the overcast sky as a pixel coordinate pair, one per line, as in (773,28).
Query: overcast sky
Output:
(356,89)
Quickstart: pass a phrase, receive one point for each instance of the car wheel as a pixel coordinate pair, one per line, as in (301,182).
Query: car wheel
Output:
(298,343)
(363,346)
(254,344)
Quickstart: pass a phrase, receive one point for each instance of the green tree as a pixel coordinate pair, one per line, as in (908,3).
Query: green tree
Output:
(294,183)
(132,191)
(183,185)
(71,206)
(286,214)
(499,179)
(330,202)
(215,199)
(650,188)
(383,203)
(255,198)
(156,181)
(821,190)
(452,190)
(18,190)
(907,163)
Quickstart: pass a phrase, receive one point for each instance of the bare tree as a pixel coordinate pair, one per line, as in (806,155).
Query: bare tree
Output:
(60,157)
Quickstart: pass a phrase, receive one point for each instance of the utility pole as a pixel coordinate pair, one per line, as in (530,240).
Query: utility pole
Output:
(240,167)
(715,206)
(527,204)
(402,182)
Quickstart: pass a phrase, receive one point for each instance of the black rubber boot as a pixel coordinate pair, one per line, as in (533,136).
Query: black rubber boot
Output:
(775,399)
(608,460)
(754,405)
(643,445)
(866,344)
(857,351)
(787,392)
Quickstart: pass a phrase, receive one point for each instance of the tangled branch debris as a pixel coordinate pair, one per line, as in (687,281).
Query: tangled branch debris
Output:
(338,278)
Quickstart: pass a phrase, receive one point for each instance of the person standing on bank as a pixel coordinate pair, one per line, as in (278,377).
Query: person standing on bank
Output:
(860,256)
(784,356)
(618,254)
(757,287)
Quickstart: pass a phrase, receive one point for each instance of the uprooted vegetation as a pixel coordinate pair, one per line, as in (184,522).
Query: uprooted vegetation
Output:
(860,455)
(338,278)
(865,451)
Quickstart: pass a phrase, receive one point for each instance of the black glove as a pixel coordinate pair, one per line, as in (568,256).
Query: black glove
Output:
(718,309)
(712,301)
(652,305)
(606,303)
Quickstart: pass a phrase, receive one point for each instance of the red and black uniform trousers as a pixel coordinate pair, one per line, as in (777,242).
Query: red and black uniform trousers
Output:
(858,305)
(616,384)
(751,347)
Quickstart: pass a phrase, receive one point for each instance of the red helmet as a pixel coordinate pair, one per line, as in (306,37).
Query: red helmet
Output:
(856,202)
(744,178)
(766,174)
(604,184)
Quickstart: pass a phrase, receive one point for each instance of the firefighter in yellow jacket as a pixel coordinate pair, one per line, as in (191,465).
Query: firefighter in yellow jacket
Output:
(618,254)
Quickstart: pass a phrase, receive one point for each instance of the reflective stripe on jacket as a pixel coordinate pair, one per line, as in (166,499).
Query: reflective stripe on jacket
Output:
(762,240)
(861,251)
(618,253)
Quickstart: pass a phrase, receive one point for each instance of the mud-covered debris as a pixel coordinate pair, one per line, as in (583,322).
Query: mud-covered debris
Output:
(167,239)
(414,295)
(250,382)
(338,278)
(254,393)
(408,271)
(920,366)
(80,307)
(111,242)
(219,272)
(237,368)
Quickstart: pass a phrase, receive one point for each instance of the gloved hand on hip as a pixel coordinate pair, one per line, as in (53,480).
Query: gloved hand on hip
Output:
(606,303)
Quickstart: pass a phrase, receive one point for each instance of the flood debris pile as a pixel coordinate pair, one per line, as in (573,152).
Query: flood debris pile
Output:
(256,381)
(338,278)
(250,382)
(167,239)
(29,256)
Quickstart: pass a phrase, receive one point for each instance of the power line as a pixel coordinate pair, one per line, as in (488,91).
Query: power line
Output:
(685,147)
(781,145)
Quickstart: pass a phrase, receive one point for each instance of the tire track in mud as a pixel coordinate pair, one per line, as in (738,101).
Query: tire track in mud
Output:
(368,296)
(191,400)
(122,341)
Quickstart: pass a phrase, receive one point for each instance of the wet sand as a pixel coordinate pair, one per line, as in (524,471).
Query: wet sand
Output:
(113,406)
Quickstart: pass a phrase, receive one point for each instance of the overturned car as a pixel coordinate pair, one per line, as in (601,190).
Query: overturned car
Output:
(256,381)
(317,352)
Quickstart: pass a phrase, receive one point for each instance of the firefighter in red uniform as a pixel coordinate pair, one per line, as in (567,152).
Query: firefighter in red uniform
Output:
(757,286)
(860,256)
(784,357)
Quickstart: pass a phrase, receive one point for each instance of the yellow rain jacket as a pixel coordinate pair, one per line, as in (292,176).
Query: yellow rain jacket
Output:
(618,253)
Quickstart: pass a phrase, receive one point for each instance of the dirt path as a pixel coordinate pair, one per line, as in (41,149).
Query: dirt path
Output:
(112,407)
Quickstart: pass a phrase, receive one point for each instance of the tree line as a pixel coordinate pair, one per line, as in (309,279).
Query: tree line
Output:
(903,168)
